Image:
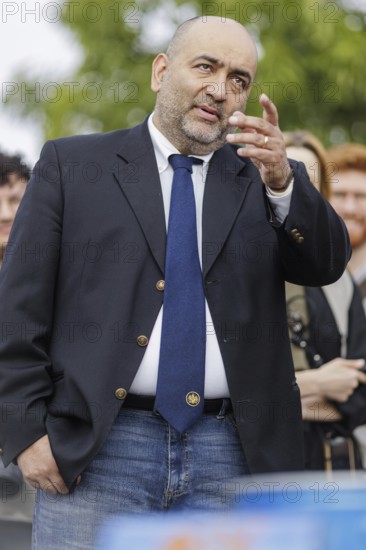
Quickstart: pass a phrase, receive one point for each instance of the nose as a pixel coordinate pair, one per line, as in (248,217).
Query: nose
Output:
(350,204)
(6,211)
(217,89)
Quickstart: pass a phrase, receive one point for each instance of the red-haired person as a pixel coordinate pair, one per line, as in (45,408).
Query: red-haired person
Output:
(327,329)
(348,197)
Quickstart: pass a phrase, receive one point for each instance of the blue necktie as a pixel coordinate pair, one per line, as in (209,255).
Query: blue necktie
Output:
(180,387)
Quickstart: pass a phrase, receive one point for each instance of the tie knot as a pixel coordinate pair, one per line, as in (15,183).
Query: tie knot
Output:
(181,161)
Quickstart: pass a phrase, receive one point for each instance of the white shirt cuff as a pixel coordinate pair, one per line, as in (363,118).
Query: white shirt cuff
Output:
(280,201)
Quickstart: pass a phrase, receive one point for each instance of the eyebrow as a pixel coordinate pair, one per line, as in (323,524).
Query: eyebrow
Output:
(218,63)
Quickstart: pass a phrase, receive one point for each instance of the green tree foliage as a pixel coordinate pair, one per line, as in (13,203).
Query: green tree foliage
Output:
(311,64)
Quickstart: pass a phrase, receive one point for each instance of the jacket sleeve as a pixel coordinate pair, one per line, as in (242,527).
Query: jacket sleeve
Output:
(313,240)
(27,287)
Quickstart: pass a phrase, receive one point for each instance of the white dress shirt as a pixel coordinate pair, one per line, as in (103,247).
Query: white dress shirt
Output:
(215,378)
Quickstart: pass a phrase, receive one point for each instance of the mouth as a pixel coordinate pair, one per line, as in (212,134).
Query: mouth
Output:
(208,113)
(351,222)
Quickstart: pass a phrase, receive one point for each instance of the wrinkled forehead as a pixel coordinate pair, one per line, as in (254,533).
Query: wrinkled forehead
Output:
(226,41)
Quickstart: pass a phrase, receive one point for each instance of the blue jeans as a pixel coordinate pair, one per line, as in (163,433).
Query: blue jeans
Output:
(144,466)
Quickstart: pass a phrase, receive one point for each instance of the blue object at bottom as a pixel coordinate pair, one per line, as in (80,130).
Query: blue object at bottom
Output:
(297,512)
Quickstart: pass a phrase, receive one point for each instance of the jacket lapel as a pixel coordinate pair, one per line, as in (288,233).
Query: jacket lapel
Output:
(138,177)
(225,190)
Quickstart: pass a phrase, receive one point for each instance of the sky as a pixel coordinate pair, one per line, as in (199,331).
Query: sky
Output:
(34,42)
(31,39)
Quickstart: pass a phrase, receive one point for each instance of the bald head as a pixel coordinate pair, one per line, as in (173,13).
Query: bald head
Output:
(203,78)
(188,29)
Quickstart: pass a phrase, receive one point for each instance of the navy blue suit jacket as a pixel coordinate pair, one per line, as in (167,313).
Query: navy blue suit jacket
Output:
(78,287)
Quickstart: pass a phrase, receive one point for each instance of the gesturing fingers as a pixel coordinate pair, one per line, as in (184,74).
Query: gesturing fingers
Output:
(270,113)
(264,143)
(252,124)
(267,125)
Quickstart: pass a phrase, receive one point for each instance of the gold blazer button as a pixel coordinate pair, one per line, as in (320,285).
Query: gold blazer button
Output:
(120,393)
(142,340)
(160,285)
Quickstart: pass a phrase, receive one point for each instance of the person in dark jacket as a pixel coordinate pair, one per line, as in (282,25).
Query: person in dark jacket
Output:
(328,334)
(91,285)
(14,175)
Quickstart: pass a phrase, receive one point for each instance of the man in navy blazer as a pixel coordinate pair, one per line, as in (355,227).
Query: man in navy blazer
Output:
(83,282)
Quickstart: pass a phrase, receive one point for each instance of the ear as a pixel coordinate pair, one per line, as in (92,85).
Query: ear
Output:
(159,68)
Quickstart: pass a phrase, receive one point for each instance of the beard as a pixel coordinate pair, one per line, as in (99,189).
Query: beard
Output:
(356,231)
(178,121)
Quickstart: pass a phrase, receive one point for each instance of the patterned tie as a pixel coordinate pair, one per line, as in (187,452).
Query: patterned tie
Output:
(180,387)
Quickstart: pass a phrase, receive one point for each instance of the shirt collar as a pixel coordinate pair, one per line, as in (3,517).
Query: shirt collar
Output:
(163,148)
